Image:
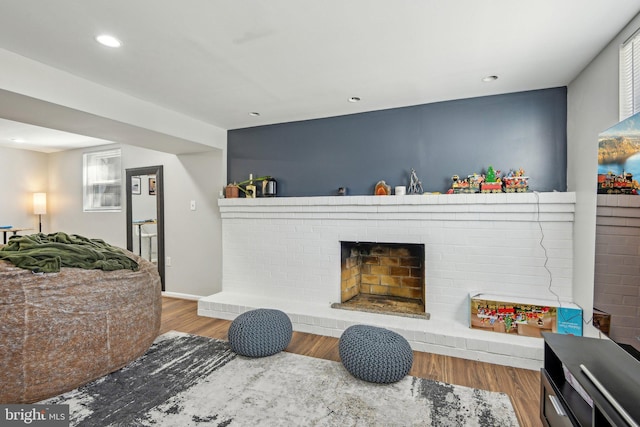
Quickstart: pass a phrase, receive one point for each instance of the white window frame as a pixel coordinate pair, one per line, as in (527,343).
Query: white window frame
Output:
(102,181)
(630,76)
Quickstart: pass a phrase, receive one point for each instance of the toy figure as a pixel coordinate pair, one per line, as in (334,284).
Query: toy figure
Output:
(515,181)
(492,182)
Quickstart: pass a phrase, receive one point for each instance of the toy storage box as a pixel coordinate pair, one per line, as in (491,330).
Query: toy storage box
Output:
(524,316)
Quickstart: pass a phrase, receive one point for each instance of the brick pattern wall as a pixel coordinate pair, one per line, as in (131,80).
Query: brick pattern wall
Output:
(350,276)
(383,269)
(284,253)
(289,248)
(617,265)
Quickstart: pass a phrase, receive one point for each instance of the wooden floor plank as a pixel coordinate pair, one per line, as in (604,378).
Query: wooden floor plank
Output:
(521,385)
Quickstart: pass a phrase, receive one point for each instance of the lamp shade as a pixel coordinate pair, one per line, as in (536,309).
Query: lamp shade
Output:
(39,203)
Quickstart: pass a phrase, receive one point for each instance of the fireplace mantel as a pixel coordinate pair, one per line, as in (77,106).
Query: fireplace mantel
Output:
(284,253)
(554,206)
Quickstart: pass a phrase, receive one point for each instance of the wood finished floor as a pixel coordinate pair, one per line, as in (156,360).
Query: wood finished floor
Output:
(522,385)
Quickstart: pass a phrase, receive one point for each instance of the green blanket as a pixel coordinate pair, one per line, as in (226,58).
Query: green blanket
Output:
(47,253)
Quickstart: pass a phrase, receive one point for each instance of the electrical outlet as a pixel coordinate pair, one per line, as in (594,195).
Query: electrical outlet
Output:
(193,205)
(168,261)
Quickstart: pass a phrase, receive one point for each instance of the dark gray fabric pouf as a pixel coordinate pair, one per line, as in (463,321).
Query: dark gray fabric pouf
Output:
(374,354)
(261,332)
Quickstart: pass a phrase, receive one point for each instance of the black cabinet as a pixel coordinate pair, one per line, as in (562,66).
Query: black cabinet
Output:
(565,360)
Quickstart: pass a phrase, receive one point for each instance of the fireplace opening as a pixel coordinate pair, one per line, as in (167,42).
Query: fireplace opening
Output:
(383,278)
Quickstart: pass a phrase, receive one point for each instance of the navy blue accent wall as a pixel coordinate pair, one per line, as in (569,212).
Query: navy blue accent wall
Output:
(314,157)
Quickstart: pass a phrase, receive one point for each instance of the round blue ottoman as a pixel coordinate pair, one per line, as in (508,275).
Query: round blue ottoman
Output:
(374,354)
(261,332)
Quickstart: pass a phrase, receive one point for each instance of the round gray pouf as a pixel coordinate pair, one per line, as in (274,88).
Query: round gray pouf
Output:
(374,354)
(261,332)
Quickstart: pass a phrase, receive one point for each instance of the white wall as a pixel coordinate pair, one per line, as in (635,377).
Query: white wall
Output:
(144,207)
(145,203)
(36,93)
(65,199)
(22,173)
(192,238)
(592,106)
(195,243)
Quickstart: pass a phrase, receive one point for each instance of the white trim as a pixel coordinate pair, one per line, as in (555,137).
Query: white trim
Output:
(181,296)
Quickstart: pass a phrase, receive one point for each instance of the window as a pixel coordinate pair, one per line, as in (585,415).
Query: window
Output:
(102,181)
(630,76)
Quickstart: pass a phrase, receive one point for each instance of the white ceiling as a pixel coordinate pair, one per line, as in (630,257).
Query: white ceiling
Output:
(291,60)
(29,137)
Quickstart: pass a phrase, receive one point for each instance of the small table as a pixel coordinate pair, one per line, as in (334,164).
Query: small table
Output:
(12,230)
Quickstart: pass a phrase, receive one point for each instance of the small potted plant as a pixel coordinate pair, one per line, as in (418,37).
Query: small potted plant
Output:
(232,191)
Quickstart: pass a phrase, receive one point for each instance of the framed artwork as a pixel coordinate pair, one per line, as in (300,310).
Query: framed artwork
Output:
(135,185)
(152,186)
(619,158)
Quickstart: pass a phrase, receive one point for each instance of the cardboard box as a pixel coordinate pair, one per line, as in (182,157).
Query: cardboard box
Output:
(524,316)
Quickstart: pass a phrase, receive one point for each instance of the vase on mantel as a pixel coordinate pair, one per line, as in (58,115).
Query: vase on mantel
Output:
(231,191)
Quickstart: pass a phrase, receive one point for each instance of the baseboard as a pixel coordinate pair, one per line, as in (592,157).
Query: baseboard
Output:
(181,296)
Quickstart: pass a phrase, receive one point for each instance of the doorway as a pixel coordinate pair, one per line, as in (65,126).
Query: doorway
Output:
(145,215)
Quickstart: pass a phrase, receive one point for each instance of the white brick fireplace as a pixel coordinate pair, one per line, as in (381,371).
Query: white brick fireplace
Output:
(285,253)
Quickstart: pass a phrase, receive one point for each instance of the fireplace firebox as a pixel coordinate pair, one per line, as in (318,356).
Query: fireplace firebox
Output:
(383,277)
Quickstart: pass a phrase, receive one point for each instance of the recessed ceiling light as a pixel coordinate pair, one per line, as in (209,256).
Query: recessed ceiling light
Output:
(107,40)
(488,79)
(254,114)
(354,99)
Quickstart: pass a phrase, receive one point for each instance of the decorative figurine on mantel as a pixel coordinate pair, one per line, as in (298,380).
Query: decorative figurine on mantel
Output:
(516,181)
(492,182)
(415,185)
(382,189)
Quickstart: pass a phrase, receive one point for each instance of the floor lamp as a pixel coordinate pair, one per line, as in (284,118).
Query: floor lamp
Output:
(40,207)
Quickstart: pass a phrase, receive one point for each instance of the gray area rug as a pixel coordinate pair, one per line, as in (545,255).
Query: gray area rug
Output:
(186,380)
